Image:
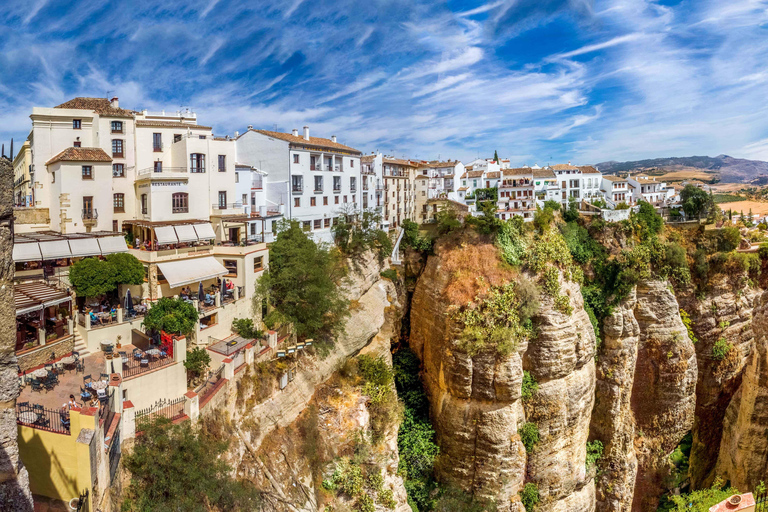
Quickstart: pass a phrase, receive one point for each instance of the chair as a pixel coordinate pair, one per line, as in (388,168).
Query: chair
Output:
(22,404)
(87,380)
(137,354)
(144,362)
(64,422)
(42,420)
(76,355)
(79,366)
(102,394)
(105,376)
(49,383)
(37,408)
(84,394)
(36,385)
(49,367)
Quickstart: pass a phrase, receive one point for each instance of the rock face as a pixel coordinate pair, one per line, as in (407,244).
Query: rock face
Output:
(743,456)
(477,410)
(645,397)
(14,479)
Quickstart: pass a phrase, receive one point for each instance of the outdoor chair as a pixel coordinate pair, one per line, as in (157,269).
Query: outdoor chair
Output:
(144,362)
(37,408)
(87,380)
(22,404)
(137,354)
(64,422)
(49,383)
(76,355)
(80,366)
(84,394)
(102,394)
(163,353)
(48,367)
(42,420)
(105,376)
(36,385)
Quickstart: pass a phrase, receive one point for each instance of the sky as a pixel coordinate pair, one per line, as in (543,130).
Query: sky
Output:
(539,81)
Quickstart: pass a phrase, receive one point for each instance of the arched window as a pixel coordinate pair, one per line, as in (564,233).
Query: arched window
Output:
(180,202)
(118,200)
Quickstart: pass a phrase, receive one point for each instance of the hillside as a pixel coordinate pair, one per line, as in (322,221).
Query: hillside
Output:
(727,168)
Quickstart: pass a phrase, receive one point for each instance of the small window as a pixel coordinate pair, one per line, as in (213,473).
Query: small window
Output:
(345,199)
(118,201)
(258,263)
(222,199)
(118,170)
(351,163)
(76,124)
(202,137)
(53,177)
(312,201)
(325,201)
(318,183)
(307,226)
(336,199)
(196,162)
(222,163)
(117,148)
(318,223)
(157,141)
(158,166)
(297,202)
(295,158)
(76,144)
(144,204)
(231,266)
(237,177)
(87,172)
(176,137)
(179,202)
(117,127)
(327,223)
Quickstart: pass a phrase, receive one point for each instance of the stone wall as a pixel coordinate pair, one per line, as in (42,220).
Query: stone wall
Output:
(14,479)
(32,216)
(41,355)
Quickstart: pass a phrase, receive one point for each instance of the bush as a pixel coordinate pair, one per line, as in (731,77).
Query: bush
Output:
(676,264)
(529,496)
(552,205)
(244,327)
(649,222)
(728,239)
(412,239)
(487,223)
(390,274)
(511,241)
(688,323)
(543,218)
(583,248)
(447,220)
(175,316)
(529,435)
(358,231)
(197,362)
(700,266)
(572,212)
(702,500)
(594,453)
(720,349)
(529,387)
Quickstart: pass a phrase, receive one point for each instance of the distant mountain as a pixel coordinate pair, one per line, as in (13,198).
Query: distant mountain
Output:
(728,168)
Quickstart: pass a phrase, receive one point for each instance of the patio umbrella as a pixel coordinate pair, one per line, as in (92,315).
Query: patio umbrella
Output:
(200,293)
(223,285)
(129,302)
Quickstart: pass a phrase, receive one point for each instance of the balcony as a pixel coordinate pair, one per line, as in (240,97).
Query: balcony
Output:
(227,206)
(161,173)
(117,155)
(90,216)
(297,189)
(157,148)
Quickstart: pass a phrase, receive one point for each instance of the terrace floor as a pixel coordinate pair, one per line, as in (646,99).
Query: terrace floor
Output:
(69,384)
(230,345)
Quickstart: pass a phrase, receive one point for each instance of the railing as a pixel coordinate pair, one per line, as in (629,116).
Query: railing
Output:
(160,170)
(114,454)
(82,502)
(226,206)
(170,409)
(297,189)
(199,169)
(206,387)
(90,214)
(239,359)
(37,416)
(227,351)
(135,367)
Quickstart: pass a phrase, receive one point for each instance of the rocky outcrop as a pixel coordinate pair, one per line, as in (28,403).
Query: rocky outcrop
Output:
(14,479)
(477,410)
(645,397)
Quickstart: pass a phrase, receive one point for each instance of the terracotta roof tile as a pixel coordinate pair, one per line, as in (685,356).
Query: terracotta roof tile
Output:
(613,178)
(101,106)
(172,124)
(80,155)
(543,173)
(367,158)
(313,141)
(588,169)
(434,165)
(475,174)
(564,167)
(493,175)
(422,177)
(522,171)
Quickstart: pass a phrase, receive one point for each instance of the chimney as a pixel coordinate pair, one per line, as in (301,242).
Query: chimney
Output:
(306,133)
(237,134)
(250,127)
(333,138)
(295,132)
(113,102)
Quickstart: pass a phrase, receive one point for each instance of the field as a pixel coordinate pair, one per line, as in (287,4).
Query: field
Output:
(758,207)
(682,174)
(727,198)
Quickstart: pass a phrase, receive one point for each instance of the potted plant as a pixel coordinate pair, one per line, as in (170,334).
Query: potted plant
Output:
(119,337)
(734,500)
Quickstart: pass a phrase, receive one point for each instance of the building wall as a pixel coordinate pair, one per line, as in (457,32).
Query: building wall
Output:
(166,383)
(264,153)
(21,165)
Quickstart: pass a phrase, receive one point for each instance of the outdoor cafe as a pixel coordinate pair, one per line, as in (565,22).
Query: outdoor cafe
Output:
(42,315)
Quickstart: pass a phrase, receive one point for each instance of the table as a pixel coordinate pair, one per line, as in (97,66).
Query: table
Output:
(107,343)
(28,417)
(68,360)
(99,384)
(153,351)
(40,373)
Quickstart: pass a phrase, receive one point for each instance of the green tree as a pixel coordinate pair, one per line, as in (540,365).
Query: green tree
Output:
(447,220)
(552,205)
(572,212)
(487,223)
(412,238)
(197,362)
(176,467)
(127,269)
(702,500)
(302,283)
(355,232)
(496,156)
(174,316)
(91,277)
(649,222)
(695,201)
(244,327)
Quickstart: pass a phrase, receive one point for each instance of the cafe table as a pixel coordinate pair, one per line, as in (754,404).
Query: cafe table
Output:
(40,373)
(28,417)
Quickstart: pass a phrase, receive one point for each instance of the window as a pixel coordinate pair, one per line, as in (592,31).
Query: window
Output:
(274,226)
(76,124)
(176,137)
(306,225)
(118,170)
(295,158)
(231,266)
(196,162)
(318,183)
(158,166)
(312,201)
(325,201)
(118,201)
(222,199)
(297,202)
(179,202)
(76,144)
(144,203)
(201,137)
(327,223)
(345,199)
(117,126)
(117,148)
(317,223)
(258,263)
(237,177)
(157,141)
(88,207)
(337,183)
(336,198)
(352,183)
(297,183)
(222,163)
(87,172)
(351,162)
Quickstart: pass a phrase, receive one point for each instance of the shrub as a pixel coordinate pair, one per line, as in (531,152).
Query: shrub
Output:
(688,323)
(244,327)
(529,435)
(720,349)
(572,212)
(197,362)
(583,248)
(543,218)
(511,241)
(412,239)
(700,265)
(358,231)
(529,387)
(649,222)
(728,239)
(171,315)
(447,220)
(676,264)
(702,500)
(487,223)
(552,205)
(390,274)
(594,453)
(529,496)
(551,281)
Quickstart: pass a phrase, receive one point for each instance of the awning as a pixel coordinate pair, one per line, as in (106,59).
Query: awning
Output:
(165,235)
(179,273)
(56,302)
(33,296)
(205,231)
(112,244)
(84,247)
(186,233)
(26,252)
(55,249)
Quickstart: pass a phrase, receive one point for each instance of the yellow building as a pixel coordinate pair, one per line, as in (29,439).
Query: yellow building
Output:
(22,185)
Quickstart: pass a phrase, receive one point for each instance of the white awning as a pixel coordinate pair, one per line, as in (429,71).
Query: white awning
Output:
(29,309)
(55,249)
(112,244)
(56,302)
(179,273)
(84,247)
(205,231)
(186,233)
(26,252)
(165,235)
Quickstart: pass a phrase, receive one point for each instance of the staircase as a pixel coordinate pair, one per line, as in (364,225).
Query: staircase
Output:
(80,346)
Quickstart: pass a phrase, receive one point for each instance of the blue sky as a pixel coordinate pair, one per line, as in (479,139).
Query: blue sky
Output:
(541,81)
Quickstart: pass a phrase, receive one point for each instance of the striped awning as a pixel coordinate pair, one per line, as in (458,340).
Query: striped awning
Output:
(165,235)
(26,252)
(29,297)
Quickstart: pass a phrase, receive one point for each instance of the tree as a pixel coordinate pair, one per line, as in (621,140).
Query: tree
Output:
(447,220)
(91,277)
(355,232)
(496,156)
(572,213)
(702,500)
(127,269)
(175,316)
(487,223)
(649,221)
(176,467)
(197,362)
(302,283)
(552,204)
(695,201)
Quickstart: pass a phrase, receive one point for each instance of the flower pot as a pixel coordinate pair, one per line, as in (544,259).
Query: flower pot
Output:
(73,504)
(734,500)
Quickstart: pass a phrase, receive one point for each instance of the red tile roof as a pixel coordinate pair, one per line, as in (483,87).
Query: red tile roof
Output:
(172,124)
(80,155)
(101,106)
(313,141)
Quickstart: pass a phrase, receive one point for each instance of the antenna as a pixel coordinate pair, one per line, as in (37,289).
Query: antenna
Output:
(108,93)
(274,127)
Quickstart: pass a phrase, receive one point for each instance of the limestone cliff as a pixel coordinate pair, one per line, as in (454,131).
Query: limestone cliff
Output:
(476,401)
(645,397)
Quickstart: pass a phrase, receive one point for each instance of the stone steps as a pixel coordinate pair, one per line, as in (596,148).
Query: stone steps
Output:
(80,345)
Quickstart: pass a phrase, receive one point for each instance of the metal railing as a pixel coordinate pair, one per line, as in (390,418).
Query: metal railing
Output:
(107,411)
(114,454)
(82,502)
(90,214)
(226,206)
(160,170)
(39,417)
(170,409)
(136,367)
(206,387)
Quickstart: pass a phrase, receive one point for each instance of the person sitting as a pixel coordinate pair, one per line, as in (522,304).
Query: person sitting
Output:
(94,318)
(72,404)
(105,304)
